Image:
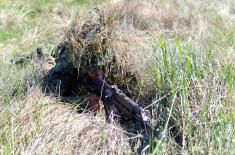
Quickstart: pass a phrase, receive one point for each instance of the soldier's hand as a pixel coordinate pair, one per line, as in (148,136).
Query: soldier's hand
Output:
(94,102)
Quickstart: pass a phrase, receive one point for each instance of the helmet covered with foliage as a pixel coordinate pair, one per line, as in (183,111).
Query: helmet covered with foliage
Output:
(90,41)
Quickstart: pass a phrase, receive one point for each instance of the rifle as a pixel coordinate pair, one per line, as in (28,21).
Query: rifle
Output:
(130,110)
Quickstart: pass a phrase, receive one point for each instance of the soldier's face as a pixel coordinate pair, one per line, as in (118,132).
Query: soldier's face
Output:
(96,74)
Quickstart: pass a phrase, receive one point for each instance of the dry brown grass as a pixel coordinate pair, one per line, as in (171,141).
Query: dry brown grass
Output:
(155,16)
(56,127)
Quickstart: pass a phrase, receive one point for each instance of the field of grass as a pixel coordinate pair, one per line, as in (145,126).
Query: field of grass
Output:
(183,49)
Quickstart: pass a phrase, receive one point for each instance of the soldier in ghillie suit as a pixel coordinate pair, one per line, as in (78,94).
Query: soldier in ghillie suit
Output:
(68,77)
(69,83)
(84,57)
(83,54)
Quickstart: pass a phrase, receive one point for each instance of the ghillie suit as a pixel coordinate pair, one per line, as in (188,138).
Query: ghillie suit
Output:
(86,53)
(86,49)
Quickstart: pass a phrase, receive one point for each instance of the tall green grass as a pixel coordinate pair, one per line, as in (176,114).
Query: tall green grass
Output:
(198,105)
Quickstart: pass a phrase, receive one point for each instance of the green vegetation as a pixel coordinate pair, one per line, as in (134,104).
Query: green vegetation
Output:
(200,91)
(184,49)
